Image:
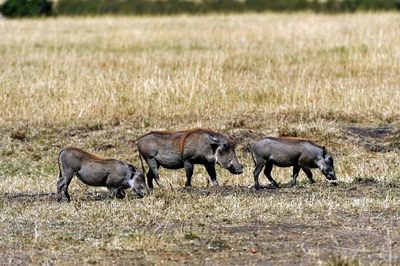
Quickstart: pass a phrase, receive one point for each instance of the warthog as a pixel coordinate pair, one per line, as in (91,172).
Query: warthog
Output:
(97,171)
(183,149)
(286,152)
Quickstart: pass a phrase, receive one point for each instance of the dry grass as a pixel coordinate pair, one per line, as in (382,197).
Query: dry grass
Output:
(63,70)
(98,83)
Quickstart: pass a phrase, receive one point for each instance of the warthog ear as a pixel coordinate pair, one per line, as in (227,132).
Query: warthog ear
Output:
(132,168)
(214,140)
(323,151)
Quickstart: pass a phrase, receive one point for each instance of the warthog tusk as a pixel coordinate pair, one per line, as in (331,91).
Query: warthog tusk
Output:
(130,182)
(216,157)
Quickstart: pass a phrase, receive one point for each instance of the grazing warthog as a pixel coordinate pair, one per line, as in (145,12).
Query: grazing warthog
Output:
(97,171)
(286,152)
(183,149)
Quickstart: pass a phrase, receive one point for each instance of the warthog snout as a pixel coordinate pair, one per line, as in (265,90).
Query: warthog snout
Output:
(226,157)
(235,169)
(332,178)
(138,184)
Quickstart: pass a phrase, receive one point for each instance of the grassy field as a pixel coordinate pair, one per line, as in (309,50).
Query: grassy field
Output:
(99,83)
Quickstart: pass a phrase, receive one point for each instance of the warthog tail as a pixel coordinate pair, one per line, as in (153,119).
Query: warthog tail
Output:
(59,165)
(252,156)
(141,161)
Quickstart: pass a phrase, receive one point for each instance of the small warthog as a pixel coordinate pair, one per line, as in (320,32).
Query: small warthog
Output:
(286,152)
(97,171)
(183,149)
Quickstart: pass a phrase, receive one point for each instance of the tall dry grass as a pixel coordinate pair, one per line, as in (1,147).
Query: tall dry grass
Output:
(72,70)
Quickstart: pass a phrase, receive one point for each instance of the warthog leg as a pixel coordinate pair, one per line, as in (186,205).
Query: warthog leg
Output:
(60,186)
(210,167)
(63,183)
(260,165)
(296,170)
(150,174)
(189,173)
(116,186)
(267,173)
(309,174)
(117,193)
(67,179)
(150,177)
(153,173)
(158,181)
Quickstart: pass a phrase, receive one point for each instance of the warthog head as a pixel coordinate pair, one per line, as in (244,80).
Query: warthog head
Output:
(325,164)
(137,181)
(225,154)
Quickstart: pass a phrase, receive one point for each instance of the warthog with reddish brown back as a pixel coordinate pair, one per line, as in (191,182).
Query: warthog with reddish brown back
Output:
(286,152)
(97,171)
(184,149)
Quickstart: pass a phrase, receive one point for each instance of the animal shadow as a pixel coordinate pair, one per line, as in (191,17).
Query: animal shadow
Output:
(226,190)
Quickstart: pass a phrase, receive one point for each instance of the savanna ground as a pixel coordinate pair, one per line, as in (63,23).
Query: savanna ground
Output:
(99,83)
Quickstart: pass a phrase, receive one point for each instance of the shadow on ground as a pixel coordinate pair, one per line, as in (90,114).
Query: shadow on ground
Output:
(357,188)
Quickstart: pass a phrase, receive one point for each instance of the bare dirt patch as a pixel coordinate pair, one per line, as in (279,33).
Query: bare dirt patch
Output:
(375,138)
